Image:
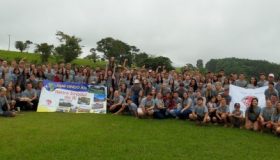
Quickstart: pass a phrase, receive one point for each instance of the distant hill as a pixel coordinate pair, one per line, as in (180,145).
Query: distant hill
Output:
(247,66)
(36,59)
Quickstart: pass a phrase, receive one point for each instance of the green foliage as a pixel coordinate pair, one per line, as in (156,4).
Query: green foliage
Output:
(93,56)
(199,63)
(45,50)
(60,136)
(115,48)
(69,48)
(249,67)
(154,62)
(21,46)
(34,57)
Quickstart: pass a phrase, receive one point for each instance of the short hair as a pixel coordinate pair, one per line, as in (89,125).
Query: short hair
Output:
(199,99)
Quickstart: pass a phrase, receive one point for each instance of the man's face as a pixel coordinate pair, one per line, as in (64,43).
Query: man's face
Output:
(199,102)
(29,86)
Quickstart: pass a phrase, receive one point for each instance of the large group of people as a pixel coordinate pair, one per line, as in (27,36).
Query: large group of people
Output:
(147,93)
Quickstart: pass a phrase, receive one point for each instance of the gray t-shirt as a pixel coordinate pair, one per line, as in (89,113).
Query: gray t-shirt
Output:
(29,93)
(200,110)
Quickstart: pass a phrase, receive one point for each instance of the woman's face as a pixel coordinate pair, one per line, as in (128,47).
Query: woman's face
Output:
(185,95)
(268,103)
(18,89)
(255,102)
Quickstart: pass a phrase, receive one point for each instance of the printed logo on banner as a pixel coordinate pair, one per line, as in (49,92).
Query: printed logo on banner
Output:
(247,100)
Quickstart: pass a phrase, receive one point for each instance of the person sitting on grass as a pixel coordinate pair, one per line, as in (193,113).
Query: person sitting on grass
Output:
(223,112)
(160,109)
(187,106)
(146,106)
(200,112)
(117,106)
(252,115)
(29,96)
(266,116)
(4,105)
(276,119)
(212,108)
(132,107)
(236,116)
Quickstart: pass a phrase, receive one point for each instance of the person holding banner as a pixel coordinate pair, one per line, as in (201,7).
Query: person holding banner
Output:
(266,116)
(252,115)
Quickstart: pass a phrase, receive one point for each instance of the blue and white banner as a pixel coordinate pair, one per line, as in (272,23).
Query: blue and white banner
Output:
(244,96)
(72,97)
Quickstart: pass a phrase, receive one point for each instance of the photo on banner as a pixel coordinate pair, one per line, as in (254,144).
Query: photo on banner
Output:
(72,97)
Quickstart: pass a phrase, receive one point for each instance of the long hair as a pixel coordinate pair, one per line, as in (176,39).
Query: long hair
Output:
(251,108)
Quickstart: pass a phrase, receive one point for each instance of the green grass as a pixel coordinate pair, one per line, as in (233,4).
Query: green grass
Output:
(48,136)
(36,59)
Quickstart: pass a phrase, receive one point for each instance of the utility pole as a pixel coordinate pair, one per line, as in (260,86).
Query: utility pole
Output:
(9,42)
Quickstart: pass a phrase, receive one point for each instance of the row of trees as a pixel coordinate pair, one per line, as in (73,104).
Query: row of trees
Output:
(70,48)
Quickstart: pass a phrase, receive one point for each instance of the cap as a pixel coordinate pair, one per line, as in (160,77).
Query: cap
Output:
(271,75)
(136,81)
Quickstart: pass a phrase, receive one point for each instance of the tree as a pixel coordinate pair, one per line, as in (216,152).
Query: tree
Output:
(21,46)
(70,47)
(93,56)
(154,62)
(45,50)
(139,59)
(199,63)
(115,48)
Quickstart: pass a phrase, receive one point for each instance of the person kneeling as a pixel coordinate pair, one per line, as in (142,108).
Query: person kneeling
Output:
(236,116)
(4,105)
(276,119)
(266,116)
(200,112)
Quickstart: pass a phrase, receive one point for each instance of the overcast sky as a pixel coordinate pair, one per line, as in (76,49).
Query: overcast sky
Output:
(183,30)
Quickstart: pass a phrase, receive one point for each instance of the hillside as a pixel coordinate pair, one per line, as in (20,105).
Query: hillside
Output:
(247,66)
(35,58)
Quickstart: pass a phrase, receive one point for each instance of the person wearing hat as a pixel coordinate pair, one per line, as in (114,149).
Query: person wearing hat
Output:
(135,91)
(4,105)
(236,116)
(270,77)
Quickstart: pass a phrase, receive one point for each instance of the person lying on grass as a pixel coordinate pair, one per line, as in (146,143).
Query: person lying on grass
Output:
(222,112)
(200,112)
(4,105)
(252,115)
(117,106)
(276,119)
(266,116)
(146,107)
(236,116)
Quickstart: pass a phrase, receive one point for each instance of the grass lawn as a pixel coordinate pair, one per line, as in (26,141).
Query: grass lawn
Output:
(89,136)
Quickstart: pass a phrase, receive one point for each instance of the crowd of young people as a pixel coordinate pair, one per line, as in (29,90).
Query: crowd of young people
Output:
(147,93)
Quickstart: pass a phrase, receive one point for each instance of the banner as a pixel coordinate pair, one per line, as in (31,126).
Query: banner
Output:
(244,96)
(72,97)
